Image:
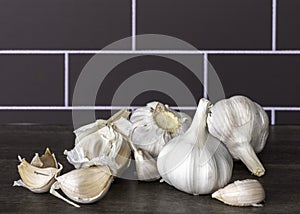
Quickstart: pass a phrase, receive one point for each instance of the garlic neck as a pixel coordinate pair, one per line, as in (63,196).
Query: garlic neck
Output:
(198,126)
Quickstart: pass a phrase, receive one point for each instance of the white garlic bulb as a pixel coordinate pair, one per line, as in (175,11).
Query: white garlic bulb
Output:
(156,124)
(196,162)
(247,192)
(242,126)
(104,146)
(39,175)
(84,186)
(145,164)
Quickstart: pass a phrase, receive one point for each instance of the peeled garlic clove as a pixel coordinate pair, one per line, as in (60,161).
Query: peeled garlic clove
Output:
(36,179)
(196,162)
(242,126)
(85,185)
(156,124)
(247,192)
(146,168)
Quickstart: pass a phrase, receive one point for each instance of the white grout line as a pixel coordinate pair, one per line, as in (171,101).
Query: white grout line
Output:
(205,76)
(273,117)
(66,86)
(149,52)
(274,20)
(133,25)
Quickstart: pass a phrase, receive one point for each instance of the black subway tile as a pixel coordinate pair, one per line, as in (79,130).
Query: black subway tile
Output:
(288,22)
(31,80)
(270,80)
(165,79)
(287,118)
(214,24)
(64,24)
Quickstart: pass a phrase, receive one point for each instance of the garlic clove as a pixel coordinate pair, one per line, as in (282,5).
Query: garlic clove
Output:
(247,192)
(46,160)
(36,179)
(146,167)
(86,185)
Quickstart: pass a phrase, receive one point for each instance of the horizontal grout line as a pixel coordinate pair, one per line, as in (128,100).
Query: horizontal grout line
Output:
(149,51)
(120,107)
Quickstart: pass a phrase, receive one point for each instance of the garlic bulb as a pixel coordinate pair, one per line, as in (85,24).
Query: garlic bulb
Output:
(156,124)
(84,186)
(145,164)
(242,126)
(196,162)
(104,146)
(39,175)
(241,193)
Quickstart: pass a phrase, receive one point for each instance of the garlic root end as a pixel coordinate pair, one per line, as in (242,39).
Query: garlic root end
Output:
(53,191)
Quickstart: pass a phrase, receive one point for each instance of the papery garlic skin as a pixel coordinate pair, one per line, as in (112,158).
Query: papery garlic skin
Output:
(36,179)
(196,162)
(103,147)
(85,185)
(247,192)
(242,126)
(156,124)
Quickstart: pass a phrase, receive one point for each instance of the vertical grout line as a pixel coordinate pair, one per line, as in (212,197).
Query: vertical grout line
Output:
(205,75)
(273,117)
(66,79)
(133,25)
(274,24)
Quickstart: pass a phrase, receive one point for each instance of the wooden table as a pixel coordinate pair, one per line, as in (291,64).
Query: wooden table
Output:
(281,181)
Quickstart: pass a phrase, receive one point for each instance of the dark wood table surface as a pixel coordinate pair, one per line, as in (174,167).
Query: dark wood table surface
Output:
(281,181)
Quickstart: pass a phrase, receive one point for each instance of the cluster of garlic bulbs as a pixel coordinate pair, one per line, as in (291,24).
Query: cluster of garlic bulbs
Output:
(194,156)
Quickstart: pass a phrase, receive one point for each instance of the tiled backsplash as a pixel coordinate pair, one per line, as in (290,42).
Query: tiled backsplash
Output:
(253,46)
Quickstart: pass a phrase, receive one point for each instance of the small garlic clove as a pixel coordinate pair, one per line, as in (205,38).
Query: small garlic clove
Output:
(46,160)
(247,192)
(145,164)
(86,185)
(146,168)
(36,179)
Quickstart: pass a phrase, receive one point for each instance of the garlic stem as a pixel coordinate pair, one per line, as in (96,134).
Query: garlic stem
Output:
(53,191)
(122,113)
(249,158)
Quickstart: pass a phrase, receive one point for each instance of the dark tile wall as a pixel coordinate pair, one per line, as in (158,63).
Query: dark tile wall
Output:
(136,65)
(271,78)
(31,80)
(63,24)
(288,24)
(214,24)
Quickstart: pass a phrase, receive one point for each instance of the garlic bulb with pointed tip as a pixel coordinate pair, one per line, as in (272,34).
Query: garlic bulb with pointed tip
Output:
(104,146)
(196,162)
(247,192)
(156,124)
(84,186)
(242,126)
(39,175)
